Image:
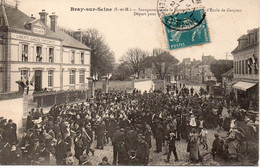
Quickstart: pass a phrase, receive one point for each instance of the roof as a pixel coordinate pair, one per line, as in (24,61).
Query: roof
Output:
(229,73)
(69,41)
(243,85)
(148,62)
(246,46)
(243,37)
(18,20)
(166,56)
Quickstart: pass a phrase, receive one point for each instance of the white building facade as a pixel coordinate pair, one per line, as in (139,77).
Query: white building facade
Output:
(42,57)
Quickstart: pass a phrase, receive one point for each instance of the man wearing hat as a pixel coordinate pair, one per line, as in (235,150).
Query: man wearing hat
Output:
(78,145)
(217,146)
(60,150)
(142,152)
(100,134)
(172,148)
(117,138)
(84,160)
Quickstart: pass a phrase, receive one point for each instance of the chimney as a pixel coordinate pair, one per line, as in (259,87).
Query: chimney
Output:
(33,17)
(43,16)
(53,21)
(78,35)
(17,4)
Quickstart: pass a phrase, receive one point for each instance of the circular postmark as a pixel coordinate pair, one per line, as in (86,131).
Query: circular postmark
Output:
(181,15)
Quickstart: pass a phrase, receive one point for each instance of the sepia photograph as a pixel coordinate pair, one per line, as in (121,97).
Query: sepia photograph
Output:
(129,82)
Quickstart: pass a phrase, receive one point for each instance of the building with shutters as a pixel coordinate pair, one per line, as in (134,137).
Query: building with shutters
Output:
(246,68)
(40,56)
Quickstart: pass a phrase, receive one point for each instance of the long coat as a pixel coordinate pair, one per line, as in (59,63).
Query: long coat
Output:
(194,147)
(142,152)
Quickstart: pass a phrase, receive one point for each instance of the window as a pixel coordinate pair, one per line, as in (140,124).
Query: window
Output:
(25,53)
(51,55)
(235,67)
(239,68)
(209,77)
(72,76)
(38,54)
(24,74)
(243,67)
(246,67)
(50,78)
(82,58)
(82,76)
(72,58)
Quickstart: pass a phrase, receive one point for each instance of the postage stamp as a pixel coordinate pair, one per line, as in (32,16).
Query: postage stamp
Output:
(185,23)
(183,32)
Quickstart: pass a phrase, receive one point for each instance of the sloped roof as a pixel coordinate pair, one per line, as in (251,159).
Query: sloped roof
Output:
(166,56)
(148,62)
(69,41)
(244,48)
(243,37)
(18,20)
(246,37)
(229,73)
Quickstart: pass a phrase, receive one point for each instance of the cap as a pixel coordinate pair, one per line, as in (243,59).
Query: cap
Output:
(83,158)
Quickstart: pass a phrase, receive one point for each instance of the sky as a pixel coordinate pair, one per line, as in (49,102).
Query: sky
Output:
(123,29)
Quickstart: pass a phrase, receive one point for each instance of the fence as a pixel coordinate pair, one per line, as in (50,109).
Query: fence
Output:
(49,98)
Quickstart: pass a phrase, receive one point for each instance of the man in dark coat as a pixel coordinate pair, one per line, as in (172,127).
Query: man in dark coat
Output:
(159,137)
(217,146)
(13,134)
(89,135)
(78,145)
(142,152)
(172,148)
(60,151)
(117,139)
(100,135)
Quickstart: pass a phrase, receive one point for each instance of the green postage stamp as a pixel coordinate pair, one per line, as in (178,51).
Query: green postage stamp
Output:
(186,29)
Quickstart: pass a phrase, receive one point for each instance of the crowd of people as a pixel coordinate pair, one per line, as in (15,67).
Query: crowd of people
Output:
(128,120)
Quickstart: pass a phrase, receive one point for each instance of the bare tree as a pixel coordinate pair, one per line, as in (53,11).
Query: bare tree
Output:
(102,58)
(134,58)
(164,63)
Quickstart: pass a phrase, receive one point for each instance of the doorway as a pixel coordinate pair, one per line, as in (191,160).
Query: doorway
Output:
(38,80)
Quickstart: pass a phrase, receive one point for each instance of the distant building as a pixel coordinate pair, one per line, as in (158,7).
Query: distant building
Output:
(227,80)
(151,71)
(32,52)
(246,68)
(198,71)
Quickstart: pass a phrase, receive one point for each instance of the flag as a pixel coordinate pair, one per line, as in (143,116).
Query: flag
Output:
(20,83)
(32,79)
(24,80)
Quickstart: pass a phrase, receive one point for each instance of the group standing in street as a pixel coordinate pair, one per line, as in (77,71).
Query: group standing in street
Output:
(128,120)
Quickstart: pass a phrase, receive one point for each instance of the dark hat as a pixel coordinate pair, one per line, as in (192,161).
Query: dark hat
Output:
(105,159)
(83,158)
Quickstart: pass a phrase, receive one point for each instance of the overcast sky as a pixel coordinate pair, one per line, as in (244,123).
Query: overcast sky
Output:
(123,30)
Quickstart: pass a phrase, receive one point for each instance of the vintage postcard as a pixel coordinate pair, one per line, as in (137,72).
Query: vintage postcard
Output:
(129,82)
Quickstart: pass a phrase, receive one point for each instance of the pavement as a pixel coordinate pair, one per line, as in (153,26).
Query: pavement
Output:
(155,159)
(158,159)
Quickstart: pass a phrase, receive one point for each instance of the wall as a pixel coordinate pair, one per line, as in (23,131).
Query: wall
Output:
(144,85)
(15,113)
(120,85)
